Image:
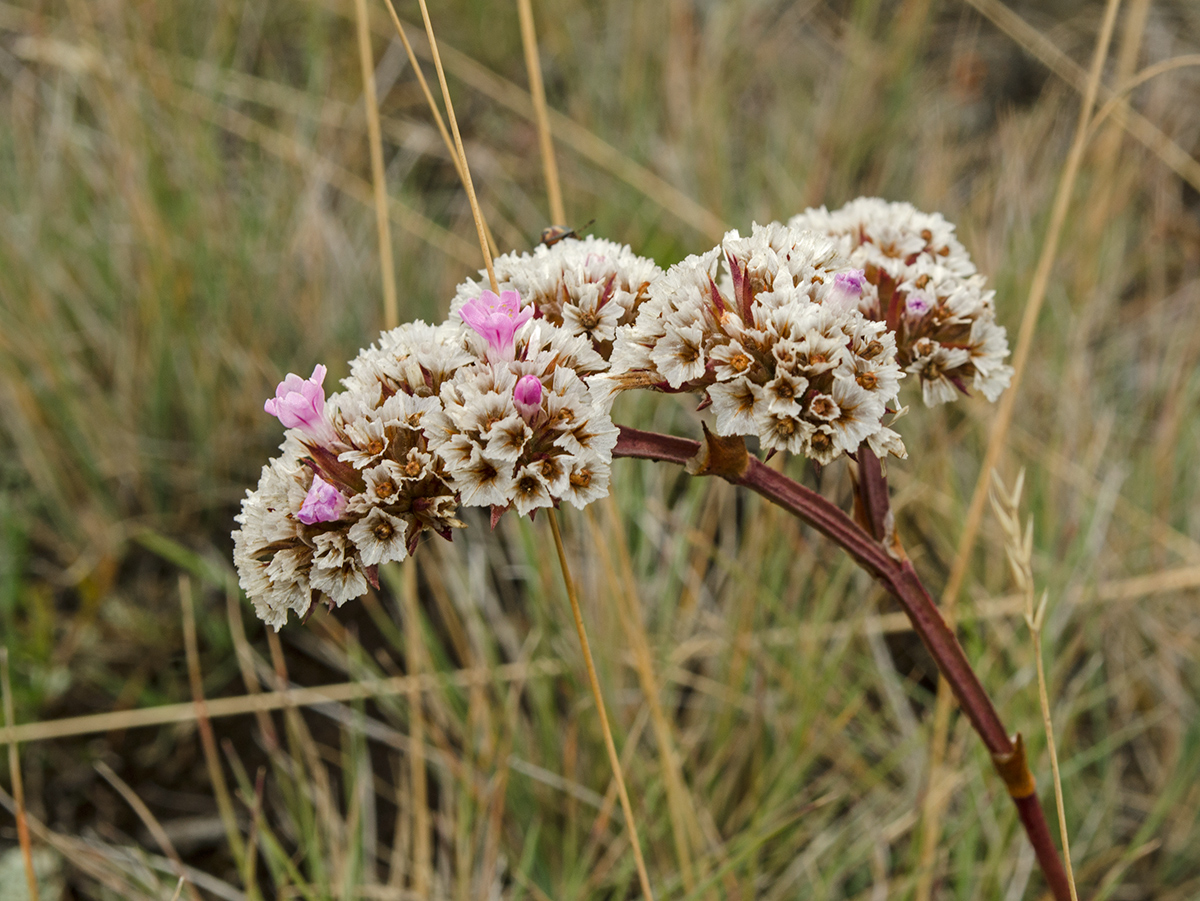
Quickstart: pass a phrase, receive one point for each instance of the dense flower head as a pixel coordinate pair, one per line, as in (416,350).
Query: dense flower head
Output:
(326,515)
(920,281)
(526,434)
(797,335)
(587,286)
(747,326)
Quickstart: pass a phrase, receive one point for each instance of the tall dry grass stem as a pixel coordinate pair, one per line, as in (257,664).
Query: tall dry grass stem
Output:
(1018,547)
(391,316)
(624,589)
(631,823)
(18,787)
(468,184)
(537,91)
(438,121)
(208,741)
(422,849)
(931,814)
(1138,126)
(609,744)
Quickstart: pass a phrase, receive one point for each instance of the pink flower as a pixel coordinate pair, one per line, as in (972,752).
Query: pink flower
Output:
(324,503)
(497,319)
(851,282)
(300,404)
(527,397)
(848,288)
(917,305)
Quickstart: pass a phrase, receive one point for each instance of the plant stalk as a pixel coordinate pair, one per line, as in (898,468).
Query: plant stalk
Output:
(895,572)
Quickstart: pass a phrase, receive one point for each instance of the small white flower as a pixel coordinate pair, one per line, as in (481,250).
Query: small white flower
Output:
(679,356)
(530,489)
(379,537)
(784,393)
(737,405)
(342,584)
(783,433)
(384,482)
(483,482)
(368,440)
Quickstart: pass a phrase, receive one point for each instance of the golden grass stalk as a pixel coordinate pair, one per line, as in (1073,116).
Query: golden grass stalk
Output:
(458,145)
(1018,547)
(391,317)
(643,876)
(18,787)
(631,622)
(153,826)
(212,760)
(1138,126)
(931,814)
(625,590)
(537,91)
(609,744)
(433,107)
(422,851)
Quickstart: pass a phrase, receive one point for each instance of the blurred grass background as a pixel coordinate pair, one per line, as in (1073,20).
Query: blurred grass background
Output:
(185,217)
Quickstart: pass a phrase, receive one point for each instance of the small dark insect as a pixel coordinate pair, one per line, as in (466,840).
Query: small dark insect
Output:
(555,233)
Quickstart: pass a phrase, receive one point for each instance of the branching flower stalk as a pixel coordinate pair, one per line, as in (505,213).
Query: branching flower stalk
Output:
(1018,547)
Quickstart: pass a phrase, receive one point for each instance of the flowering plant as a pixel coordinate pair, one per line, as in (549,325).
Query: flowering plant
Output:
(799,337)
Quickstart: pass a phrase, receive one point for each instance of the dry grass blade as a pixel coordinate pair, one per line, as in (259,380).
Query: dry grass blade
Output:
(1018,547)
(458,144)
(624,588)
(997,439)
(433,107)
(18,787)
(391,317)
(1141,128)
(533,65)
(208,741)
(153,826)
(610,745)
(422,851)
(1119,98)
(275,700)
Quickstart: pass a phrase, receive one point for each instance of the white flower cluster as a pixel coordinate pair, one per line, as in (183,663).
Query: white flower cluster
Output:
(758,326)
(504,450)
(797,335)
(357,482)
(431,418)
(921,282)
(588,286)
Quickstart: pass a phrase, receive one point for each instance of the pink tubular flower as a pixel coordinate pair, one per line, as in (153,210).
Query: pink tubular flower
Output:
(851,282)
(497,319)
(324,503)
(527,397)
(300,404)
(917,305)
(848,288)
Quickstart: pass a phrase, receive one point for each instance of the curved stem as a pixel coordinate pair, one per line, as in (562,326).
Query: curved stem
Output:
(897,575)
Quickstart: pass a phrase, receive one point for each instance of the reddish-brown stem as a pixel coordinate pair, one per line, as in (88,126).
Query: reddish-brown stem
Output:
(897,575)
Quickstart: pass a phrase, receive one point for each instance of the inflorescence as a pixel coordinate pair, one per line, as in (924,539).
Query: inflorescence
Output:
(798,335)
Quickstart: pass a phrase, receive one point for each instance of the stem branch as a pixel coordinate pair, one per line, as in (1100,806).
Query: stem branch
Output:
(897,575)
